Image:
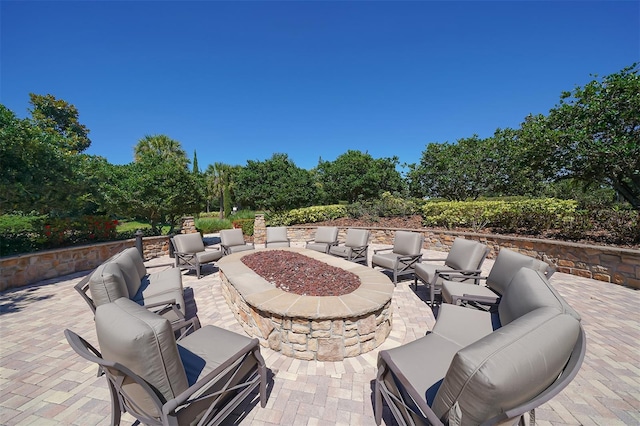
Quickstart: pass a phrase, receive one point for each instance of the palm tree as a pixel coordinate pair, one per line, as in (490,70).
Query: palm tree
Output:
(162,147)
(215,184)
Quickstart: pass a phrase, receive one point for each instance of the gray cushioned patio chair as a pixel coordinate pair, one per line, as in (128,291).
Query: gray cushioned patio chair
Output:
(232,241)
(463,262)
(199,379)
(355,247)
(277,237)
(191,254)
(495,379)
(507,263)
(326,236)
(402,257)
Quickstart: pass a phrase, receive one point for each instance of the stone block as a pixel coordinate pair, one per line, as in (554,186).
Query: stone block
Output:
(321,325)
(350,351)
(352,341)
(274,341)
(602,277)
(297,338)
(337,326)
(320,334)
(331,349)
(300,326)
(312,345)
(367,325)
(304,355)
(581,273)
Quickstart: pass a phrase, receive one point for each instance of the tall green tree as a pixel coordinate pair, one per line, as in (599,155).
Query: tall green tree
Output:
(196,169)
(275,184)
(592,135)
(58,117)
(355,175)
(216,182)
(38,174)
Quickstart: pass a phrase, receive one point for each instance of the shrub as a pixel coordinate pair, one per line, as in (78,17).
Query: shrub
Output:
(527,216)
(210,225)
(245,224)
(386,206)
(307,215)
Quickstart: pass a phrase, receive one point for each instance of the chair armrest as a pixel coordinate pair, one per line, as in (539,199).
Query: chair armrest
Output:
(413,257)
(382,249)
(185,327)
(433,260)
(483,300)
(164,307)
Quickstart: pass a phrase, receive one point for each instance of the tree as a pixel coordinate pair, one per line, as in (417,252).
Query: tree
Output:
(216,182)
(58,117)
(162,147)
(592,135)
(275,184)
(195,169)
(153,189)
(358,176)
(37,175)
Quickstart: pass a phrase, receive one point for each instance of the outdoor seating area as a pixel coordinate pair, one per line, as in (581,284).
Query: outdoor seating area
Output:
(54,385)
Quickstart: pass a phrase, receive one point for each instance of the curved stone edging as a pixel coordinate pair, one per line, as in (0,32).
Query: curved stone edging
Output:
(324,328)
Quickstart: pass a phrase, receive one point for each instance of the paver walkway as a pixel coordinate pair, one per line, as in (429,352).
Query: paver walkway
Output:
(42,381)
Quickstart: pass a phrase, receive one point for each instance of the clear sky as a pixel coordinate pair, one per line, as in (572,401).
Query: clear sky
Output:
(243,80)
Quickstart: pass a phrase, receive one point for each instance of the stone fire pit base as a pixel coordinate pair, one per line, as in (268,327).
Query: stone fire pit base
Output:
(322,328)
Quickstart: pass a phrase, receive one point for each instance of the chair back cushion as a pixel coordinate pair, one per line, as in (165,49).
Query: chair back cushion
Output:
(466,254)
(357,238)
(107,284)
(507,263)
(189,243)
(506,368)
(530,290)
(145,343)
(231,237)
(132,268)
(407,243)
(277,234)
(326,234)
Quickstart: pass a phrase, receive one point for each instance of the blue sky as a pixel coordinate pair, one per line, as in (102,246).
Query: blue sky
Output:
(240,81)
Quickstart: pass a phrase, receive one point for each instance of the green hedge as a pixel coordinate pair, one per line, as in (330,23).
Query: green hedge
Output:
(530,216)
(307,215)
(210,225)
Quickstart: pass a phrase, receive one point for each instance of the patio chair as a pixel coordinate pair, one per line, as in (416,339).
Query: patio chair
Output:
(355,248)
(199,379)
(326,236)
(277,237)
(232,241)
(462,263)
(190,252)
(507,263)
(451,377)
(402,258)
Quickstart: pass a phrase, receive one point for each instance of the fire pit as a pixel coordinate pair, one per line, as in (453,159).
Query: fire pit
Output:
(323,328)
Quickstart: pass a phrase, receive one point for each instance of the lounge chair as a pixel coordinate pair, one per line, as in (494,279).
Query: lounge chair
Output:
(355,248)
(277,237)
(326,236)
(402,258)
(462,263)
(507,263)
(199,379)
(465,373)
(190,252)
(232,241)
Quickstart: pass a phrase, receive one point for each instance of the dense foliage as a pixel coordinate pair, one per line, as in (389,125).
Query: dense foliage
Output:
(586,149)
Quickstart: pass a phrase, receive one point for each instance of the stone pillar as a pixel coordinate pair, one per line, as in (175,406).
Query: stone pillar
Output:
(188,225)
(259,230)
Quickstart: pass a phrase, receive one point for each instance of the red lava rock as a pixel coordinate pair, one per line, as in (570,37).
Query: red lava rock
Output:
(299,274)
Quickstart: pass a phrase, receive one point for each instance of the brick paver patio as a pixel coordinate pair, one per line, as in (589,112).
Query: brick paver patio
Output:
(42,381)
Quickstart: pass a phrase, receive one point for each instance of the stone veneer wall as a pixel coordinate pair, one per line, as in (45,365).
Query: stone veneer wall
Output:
(311,339)
(610,264)
(24,269)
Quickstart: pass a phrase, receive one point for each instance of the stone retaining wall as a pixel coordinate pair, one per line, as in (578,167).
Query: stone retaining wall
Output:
(24,269)
(610,264)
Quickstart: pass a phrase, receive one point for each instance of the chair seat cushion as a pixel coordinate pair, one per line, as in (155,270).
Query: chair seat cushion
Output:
(207,348)
(426,272)
(321,247)
(462,325)
(424,362)
(385,260)
(239,248)
(342,251)
(453,290)
(209,256)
